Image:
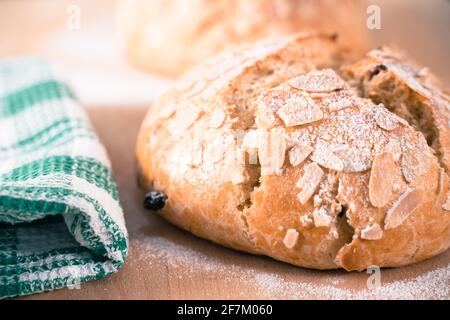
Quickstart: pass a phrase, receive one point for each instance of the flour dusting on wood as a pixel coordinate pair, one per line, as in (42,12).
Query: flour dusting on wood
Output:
(185,262)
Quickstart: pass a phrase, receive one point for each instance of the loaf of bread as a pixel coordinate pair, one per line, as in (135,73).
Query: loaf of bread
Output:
(290,149)
(169,36)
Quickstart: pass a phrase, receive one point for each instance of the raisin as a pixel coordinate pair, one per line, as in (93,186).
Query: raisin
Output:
(154,200)
(376,70)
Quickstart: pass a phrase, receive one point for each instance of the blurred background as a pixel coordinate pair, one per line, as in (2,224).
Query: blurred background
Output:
(91,56)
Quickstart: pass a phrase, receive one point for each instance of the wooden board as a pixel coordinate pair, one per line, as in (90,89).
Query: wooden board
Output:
(168,263)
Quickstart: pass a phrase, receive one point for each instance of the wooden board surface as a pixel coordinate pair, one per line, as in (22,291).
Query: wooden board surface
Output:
(165,262)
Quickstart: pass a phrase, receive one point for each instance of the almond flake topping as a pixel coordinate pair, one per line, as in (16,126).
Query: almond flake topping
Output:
(215,151)
(298,154)
(340,104)
(250,144)
(441,181)
(385,119)
(321,217)
(405,204)
(272,150)
(265,120)
(393,146)
(251,140)
(372,232)
(309,181)
(381,179)
(267,104)
(291,238)
(236,174)
(354,159)
(299,137)
(414,164)
(235,169)
(326,158)
(182,120)
(352,207)
(233,164)
(306,221)
(196,154)
(217,118)
(446,205)
(167,111)
(325,80)
(317,200)
(297,109)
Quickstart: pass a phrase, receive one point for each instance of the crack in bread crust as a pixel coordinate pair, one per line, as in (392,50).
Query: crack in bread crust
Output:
(407,90)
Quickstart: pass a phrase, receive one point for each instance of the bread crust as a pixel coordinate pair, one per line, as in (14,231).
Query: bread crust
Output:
(170,36)
(270,149)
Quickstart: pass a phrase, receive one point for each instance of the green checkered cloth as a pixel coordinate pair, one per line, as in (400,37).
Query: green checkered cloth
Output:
(61,223)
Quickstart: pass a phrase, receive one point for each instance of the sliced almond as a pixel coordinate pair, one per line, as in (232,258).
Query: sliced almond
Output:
(272,150)
(393,146)
(306,221)
(405,204)
(354,159)
(381,179)
(182,120)
(300,136)
(251,139)
(321,217)
(340,104)
(221,64)
(317,200)
(352,207)
(401,120)
(309,181)
(217,118)
(325,80)
(372,232)
(267,105)
(278,146)
(446,205)
(414,164)
(236,174)
(167,111)
(291,238)
(423,72)
(264,151)
(319,95)
(234,161)
(215,151)
(236,168)
(441,181)
(298,154)
(385,119)
(250,144)
(196,157)
(299,109)
(326,158)
(265,120)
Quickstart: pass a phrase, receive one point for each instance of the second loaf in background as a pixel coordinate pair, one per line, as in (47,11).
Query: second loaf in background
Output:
(169,36)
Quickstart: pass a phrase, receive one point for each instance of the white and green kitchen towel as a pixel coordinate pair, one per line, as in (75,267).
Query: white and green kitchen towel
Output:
(61,223)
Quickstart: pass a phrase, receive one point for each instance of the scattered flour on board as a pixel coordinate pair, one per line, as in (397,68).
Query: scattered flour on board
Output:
(433,284)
